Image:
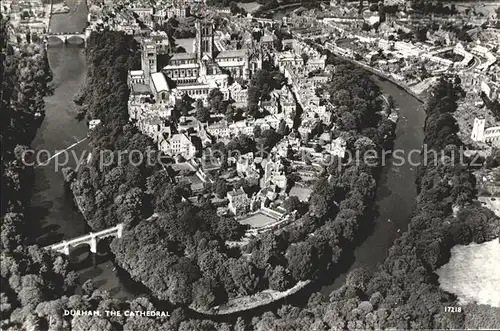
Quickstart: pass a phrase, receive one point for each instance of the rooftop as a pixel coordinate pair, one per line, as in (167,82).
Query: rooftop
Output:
(233,53)
(183,56)
(159,81)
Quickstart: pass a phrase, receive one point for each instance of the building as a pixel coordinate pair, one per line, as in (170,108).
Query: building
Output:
(219,129)
(482,134)
(145,15)
(337,147)
(177,144)
(195,73)
(238,93)
(152,126)
(159,88)
(206,68)
(178,9)
(238,201)
(274,174)
(162,42)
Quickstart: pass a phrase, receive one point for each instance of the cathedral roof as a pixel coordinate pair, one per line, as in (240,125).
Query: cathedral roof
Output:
(183,56)
(232,53)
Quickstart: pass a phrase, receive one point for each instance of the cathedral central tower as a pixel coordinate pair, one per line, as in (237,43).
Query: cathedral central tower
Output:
(204,39)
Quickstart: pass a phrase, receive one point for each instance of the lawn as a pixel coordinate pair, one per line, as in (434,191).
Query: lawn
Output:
(186,43)
(258,220)
(302,193)
(473,273)
(249,7)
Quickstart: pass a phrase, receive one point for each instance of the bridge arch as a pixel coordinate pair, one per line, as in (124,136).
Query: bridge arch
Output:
(72,38)
(75,39)
(65,247)
(56,39)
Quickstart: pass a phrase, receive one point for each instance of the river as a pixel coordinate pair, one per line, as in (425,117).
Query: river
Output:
(53,211)
(396,190)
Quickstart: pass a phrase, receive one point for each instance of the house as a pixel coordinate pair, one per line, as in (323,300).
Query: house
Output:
(337,147)
(177,144)
(219,129)
(317,63)
(238,201)
(271,105)
(152,126)
(238,93)
(267,40)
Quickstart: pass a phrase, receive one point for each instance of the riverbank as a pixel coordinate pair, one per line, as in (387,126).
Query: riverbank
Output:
(241,304)
(422,97)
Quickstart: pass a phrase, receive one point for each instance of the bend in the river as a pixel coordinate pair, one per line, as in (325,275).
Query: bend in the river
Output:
(53,207)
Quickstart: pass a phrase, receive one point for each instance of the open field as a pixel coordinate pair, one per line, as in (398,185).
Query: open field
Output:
(473,273)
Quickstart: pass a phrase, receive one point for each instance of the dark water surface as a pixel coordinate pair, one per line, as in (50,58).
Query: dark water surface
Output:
(396,191)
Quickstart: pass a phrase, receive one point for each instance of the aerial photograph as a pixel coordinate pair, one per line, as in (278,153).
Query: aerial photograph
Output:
(250,165)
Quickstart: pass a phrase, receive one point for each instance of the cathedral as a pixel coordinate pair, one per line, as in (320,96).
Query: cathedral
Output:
(194,73)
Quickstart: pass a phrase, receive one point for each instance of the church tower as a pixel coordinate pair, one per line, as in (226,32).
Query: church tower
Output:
(204,39)
(148,59)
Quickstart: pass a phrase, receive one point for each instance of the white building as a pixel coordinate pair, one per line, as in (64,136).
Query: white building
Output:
(177,144)
(482,134)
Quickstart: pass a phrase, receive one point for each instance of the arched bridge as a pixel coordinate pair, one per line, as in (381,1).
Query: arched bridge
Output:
(64,37)
(90,239)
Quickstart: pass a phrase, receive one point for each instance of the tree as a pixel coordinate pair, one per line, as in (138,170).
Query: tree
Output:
(85,323)
(301,260)
(279,279)
(221,188)
(207,293)
(283,129)
(391,105)
(216,101)
(320,201)
(304,57)
(202,114)
(88,287)
(421,34)
(257,131)
(270,138)
(245,276)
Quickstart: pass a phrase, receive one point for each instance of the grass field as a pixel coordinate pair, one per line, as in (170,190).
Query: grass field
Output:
(258,220)
(302,193)
(186,43)
(249,7)
(473,273)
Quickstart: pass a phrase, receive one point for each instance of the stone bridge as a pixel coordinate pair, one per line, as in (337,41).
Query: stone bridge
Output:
(64,37)
(90,239)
